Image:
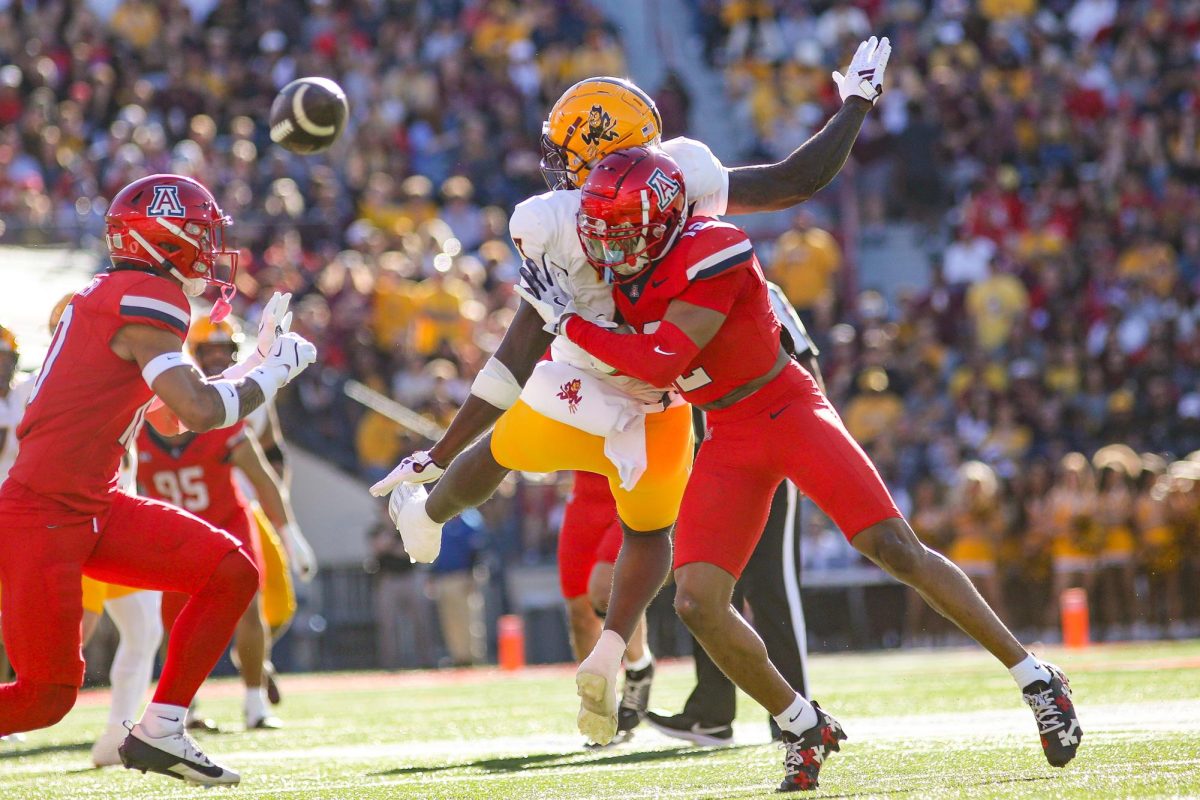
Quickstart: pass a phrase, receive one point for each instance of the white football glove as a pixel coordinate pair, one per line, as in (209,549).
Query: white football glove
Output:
(864,76)
(417,468)
(300,552)
(275,321)
(292,352)
(540,286)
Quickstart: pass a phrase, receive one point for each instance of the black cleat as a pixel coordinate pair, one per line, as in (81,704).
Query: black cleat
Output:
(1058,724)
(681,726)
(635,697)
(176,756)
(804,755)
(273,695)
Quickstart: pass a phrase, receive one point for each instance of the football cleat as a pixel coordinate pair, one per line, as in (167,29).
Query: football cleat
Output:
(804,754)
(681,726)
(196,722)
(273,695)
(104,751)
(422,536)
(597,718)
(176,756)
(1058,724)
(635,697)
(267,722)
(13,738)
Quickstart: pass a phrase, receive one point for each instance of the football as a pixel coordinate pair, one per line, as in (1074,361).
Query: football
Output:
(308,115)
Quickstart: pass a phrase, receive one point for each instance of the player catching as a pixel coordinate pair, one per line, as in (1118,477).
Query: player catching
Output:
(696,297)
(118,344)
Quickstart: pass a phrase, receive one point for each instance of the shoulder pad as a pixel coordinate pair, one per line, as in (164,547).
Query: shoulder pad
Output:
(710,247)
(538,225)
(704,175)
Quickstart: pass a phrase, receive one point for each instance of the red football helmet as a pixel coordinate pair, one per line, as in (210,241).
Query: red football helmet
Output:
(631,208)
(173,223)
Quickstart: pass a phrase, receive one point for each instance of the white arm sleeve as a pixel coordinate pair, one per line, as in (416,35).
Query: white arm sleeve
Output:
(706,177)
(496,384)
(160,364)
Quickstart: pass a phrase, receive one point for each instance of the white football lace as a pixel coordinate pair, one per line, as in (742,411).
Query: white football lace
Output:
(632,694)
(1049,717)
(793,760)
(190,744)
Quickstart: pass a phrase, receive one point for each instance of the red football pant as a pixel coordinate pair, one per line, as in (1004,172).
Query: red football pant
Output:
(244,530)
(44,551)
(590,532)
(787,429)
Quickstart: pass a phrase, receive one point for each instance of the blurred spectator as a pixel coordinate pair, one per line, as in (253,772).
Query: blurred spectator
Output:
(804,263)
(455,589)
(403,612)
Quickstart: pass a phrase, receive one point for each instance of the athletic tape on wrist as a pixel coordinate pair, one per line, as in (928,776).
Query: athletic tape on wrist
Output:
(268,380)
(160,364)
(495,384)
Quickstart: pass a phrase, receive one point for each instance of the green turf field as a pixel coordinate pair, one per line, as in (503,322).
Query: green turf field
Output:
(921,725)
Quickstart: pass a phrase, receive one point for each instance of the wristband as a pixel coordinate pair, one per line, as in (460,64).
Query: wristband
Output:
(268,380)
(229,397)
(160,364)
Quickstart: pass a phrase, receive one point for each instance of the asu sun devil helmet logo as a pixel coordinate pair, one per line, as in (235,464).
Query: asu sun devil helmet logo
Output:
(600,127)
(593,118)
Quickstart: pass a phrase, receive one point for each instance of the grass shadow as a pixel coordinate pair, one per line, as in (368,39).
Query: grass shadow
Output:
(923,789)
(44,750)
(556,760)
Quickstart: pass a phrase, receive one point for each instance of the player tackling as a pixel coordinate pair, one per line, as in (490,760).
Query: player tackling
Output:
(118,344)
(695,295)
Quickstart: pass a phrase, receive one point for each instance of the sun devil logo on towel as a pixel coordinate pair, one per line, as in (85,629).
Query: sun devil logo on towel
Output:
(569,391)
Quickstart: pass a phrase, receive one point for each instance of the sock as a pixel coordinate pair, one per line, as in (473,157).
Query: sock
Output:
(1029,671)
(605,657)
(798,717)
(163,719)
(204,628)
(255,704)
(139,622)
(639,665)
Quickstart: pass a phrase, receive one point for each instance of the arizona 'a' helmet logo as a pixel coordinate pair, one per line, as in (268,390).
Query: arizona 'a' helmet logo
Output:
(600,125)
(166,202)
(666,188)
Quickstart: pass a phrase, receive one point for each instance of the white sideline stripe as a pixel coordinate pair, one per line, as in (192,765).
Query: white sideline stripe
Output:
(154,304)
(743,246)
(791,582)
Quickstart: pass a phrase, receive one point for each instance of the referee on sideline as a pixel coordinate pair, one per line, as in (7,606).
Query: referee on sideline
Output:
(770,585)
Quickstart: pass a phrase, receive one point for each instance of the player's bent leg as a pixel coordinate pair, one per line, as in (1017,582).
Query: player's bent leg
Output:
(639,574)
(584,625)
(27,705)
(250,643)
(138,619)
(893,546)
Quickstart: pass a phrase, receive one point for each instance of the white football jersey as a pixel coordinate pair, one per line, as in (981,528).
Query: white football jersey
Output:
(544,226)
(12,408)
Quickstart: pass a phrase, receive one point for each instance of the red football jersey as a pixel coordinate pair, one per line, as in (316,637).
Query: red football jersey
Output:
(193,472)
(87,404)
(712,265)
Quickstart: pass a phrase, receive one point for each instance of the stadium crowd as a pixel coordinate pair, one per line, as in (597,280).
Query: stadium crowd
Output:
(1056,142)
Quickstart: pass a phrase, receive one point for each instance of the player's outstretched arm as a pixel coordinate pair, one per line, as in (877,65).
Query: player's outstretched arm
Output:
(203,404)
(495,389)
(769,187)
(248,456)
(657,358)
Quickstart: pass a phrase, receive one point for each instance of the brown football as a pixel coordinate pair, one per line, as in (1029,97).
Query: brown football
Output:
(308,115)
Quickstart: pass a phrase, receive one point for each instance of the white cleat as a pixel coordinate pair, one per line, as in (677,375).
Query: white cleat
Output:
(597,706)
(13,738)
(176,756)
(104,751)
(422,536)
